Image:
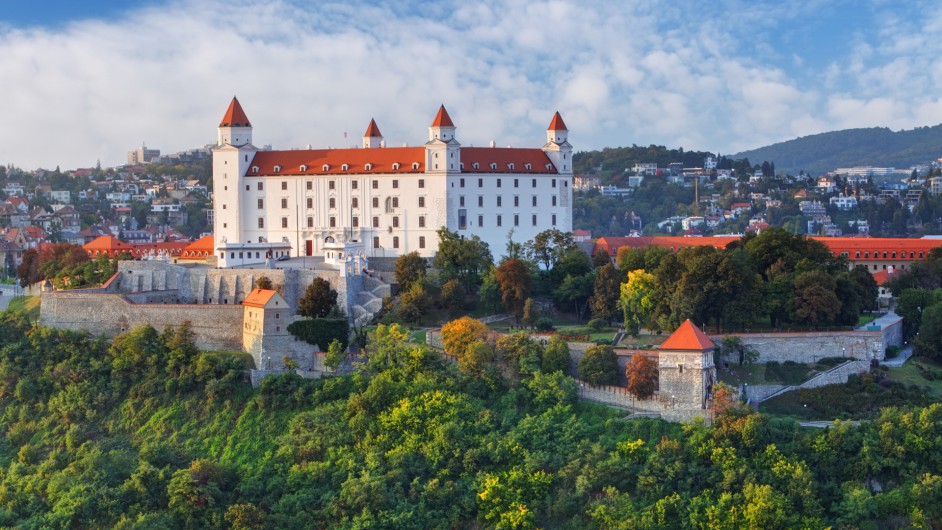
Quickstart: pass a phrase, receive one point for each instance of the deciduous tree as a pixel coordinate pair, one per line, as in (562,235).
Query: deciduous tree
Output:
(410,268)
(605,295)
(318,299)
(599,365)
(642,376)
(513,277)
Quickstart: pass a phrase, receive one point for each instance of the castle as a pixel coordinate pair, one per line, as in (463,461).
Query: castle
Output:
(378,201)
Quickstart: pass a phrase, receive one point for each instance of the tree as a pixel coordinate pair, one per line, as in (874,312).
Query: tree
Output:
(263,282)
(453,296)
(513,277)
(642,376)
(246,516)
(318,299)
(605,295)
(410,268)
(476,359)
(520,353)
(723,399)
(929,341)
(414,303)
(530,313)
(599,365)
(575,290)
(489,292)
(548,246)
(464,259)
(637,300)
(458,334)
(556,357)
(335,355)
(600,257)
(815,301)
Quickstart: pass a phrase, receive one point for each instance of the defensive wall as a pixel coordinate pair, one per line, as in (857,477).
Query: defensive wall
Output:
(835,376)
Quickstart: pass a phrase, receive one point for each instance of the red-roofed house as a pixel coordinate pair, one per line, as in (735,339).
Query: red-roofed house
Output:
(389,201)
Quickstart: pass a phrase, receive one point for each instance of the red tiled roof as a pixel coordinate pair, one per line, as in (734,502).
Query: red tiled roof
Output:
(259,297)
(502,156)
(557,124)
(109,243)
(442,119)
(372,131)
(688,337)
(381,161)
(200,249)
(235,116)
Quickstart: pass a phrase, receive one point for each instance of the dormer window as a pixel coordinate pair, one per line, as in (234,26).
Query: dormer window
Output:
(325,167)
(254,169)
(368,167)
(549,166)
(462,166)
(415,165)
(395,166)
(303,168)
(344,167)
(493,165)
(510,166)
(528,166)
(277,169)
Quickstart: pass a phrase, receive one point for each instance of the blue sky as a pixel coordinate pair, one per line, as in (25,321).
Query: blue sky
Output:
(89,80)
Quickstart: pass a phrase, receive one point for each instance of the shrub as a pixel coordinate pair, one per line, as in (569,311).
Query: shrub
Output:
(321,331)
(598,324)
(599,365)
(544,324)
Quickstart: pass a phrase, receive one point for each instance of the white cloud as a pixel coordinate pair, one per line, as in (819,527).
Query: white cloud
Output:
(673,73)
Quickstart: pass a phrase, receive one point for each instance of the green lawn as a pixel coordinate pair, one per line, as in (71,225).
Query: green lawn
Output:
(28,305)
(919,372)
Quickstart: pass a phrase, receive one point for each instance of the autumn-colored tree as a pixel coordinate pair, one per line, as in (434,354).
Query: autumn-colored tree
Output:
(642,376)
(458,334)
(513,277)
(637,300)
(724,398)
(453,295)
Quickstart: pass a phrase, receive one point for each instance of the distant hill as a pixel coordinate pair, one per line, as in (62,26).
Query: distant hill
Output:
(876,146)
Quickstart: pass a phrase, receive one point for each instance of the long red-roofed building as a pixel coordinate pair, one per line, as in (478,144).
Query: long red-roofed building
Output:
(876,253)
(387,201)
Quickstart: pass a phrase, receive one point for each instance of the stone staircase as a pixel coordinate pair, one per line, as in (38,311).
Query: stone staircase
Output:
(369,301)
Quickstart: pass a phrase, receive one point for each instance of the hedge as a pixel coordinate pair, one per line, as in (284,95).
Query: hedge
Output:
(321,331)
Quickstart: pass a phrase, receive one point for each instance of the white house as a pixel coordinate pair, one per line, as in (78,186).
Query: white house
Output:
(389,200)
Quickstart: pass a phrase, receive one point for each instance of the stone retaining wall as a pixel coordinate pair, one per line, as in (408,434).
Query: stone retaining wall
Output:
(810,347)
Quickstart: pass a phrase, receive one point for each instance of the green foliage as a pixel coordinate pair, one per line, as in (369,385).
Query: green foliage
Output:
(318,300)
(413,304)
(460,258)
(929,341)
(410,269)
(599,365)
(556,357)
(335,356)
(264,282)
(453,296)
(321,331)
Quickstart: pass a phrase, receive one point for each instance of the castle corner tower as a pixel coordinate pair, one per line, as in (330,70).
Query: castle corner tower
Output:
(686,371)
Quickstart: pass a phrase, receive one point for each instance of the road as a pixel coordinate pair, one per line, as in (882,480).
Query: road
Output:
(6,293)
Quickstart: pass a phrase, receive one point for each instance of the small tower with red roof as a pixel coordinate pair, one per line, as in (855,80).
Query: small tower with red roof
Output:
(557,146)
(372,138)
(234,128)
(442,151)
(686,372)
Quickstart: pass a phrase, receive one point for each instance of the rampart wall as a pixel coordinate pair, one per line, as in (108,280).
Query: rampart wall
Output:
(810,347)
(215,327)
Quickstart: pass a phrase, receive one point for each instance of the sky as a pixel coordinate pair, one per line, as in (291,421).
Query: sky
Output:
(91,80)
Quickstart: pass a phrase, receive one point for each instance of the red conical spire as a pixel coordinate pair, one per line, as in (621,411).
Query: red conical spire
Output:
(372,131)
(557,124)
(442,119)
(688,337)
(235,116)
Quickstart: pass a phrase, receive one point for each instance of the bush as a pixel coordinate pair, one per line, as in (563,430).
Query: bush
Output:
(892,351)
(599,365)
(598,324)
(321,331)
(544,324)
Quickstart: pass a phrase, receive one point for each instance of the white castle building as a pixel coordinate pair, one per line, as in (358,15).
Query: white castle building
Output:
(382,201)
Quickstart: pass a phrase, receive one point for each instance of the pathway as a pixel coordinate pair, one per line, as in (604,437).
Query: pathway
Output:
(6,294)
(884,320)
(900,358)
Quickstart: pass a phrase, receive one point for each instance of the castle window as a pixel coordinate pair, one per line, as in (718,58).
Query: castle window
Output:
(866,254)
(254,169)
(920,254)
(462,166)
(395,202)
(421,183)
(516,183)
(498,220)
(415,165)
(534,200)
(375,222)
(395,241)
(395,221)
(910,255)
(480,201)
(461,183)
(516,220)
(498,201)
(325,167)
(260,186)
(894,254)
(284,222)
(395,184)
(553,183)
(284,203)
(368,167)
(375,242)
(480,183)
(461,201)
(395,166)
(476,166)
(261,222)
(680,368)
(534,183)
(331,203)
(528,166)
(277,169)
(284,185)
(331,184)
(344,167)
(354,202)
(493,165)
(498,183)
(309,184)
(355,222)
(333,222)
(857,255)
(421,221)
(310,222)
(554,219)
(261,204)
(375,184)
(421,241)
(549,166)
(303,168)
(480,220)
(310,203)
(510,166)
(223,206)
(516,201)
(354,185)
(534,219)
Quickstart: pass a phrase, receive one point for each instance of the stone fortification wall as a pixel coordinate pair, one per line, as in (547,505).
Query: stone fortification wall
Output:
(154,297)
(811,347)
(215,327)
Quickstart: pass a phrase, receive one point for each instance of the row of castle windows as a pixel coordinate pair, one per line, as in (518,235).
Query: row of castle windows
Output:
(395,242)
(343,167)
(463,220)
